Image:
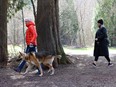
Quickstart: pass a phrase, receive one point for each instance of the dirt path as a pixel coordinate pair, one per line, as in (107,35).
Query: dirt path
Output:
(79,74)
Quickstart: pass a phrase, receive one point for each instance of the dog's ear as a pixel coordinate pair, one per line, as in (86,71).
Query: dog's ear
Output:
(31,53)
(20,53)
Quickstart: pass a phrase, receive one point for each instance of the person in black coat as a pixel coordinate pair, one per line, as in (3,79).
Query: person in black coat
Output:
(101,43)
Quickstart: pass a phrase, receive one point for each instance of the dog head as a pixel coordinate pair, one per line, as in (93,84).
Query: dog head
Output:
(23,56)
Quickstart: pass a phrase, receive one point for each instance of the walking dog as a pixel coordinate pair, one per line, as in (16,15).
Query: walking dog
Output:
(36,59)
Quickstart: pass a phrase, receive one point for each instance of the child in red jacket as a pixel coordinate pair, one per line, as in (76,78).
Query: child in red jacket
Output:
(31,36)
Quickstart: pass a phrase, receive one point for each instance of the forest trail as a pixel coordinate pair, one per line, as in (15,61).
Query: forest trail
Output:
(80,74)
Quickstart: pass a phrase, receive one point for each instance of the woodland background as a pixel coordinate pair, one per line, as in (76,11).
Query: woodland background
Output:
(59,23)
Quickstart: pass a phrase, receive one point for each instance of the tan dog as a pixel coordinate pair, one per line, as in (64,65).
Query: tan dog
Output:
(32,59)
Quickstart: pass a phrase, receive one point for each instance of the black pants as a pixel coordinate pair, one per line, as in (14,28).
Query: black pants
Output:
(107,57)
(31,49)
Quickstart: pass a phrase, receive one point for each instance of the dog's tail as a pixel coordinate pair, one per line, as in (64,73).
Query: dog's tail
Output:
(58,56)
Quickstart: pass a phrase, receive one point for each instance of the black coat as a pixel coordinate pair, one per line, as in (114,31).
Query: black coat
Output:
(101,43)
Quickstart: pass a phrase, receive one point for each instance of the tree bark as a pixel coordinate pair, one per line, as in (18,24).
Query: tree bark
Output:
(23,23)
(48,28)
(3,33)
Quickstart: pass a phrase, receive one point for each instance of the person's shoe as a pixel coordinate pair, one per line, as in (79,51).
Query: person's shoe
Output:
(17,70)
(110,64)
(94,64)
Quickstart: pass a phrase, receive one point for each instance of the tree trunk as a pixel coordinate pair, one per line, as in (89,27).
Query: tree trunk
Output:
(48,28)
(23,23)
(34,11)
(3,33)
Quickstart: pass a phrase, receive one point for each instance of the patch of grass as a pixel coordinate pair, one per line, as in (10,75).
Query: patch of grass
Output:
(112,48)
(77,49)
(84,50)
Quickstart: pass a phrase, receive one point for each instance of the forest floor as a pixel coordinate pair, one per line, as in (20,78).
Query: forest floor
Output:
(79,74)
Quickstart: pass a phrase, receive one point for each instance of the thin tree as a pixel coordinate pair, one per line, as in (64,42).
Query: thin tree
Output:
(34,11)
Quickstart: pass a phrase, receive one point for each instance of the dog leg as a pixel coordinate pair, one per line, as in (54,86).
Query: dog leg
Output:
(48,65)
(52,68)
(41,71)
(49,70)
(52,71)
(39,67)
(28,69)
(33,72)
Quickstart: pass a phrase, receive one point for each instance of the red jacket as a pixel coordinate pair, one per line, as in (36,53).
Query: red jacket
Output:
(31,34)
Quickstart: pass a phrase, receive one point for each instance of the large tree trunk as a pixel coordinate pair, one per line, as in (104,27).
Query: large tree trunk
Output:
(3,32)
(48,28)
